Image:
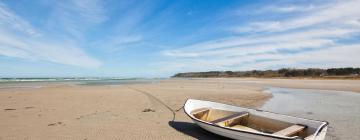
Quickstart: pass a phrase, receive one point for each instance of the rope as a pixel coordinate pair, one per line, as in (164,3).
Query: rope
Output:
(177,110)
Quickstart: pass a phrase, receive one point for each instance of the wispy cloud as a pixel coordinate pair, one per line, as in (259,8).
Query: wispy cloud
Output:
(310,38)
(90,10)
(73,17)
(131,26)
(34,49)
(113,44)
(287,8)
(339,13)
(31,46)
(177,53)
(11,20)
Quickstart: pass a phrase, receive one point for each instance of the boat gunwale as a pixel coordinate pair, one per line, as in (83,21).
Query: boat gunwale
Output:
(317,132)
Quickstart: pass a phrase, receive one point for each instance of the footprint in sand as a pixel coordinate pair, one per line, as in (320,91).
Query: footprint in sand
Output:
(148,110)
(57,123)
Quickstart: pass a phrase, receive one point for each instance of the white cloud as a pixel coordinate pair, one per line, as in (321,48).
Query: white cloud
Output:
(74,17)
(91,10)
(112,44)
(32,47)
(264,43)
(338,13)
(340,56)
(251,41)
(9,19)
(288,8)
(176,53)
(259,26)
(310,39)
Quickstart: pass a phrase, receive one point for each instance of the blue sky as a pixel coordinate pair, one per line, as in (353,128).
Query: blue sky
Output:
(156,38)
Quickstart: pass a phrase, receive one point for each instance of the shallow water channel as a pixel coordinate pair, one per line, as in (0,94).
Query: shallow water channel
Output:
(340,108)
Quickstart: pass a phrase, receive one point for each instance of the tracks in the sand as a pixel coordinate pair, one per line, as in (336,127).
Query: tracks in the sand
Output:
(154,98)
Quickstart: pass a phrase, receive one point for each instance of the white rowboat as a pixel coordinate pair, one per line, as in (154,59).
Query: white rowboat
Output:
(251,124)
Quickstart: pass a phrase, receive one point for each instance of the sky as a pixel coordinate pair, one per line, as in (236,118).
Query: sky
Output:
(158,38)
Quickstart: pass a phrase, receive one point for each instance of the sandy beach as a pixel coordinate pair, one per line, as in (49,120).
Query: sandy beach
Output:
(134,111)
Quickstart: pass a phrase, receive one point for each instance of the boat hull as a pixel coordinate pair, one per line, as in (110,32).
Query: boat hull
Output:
(241,135)
(244,135)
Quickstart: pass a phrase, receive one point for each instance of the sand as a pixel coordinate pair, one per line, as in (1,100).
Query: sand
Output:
(140,111)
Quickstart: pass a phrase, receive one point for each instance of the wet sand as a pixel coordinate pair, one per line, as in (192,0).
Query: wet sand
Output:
(136,111)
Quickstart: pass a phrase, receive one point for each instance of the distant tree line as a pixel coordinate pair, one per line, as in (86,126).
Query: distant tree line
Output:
(284,72)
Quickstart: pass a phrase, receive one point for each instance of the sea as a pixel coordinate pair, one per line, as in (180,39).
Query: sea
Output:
(340,108)
(83,81)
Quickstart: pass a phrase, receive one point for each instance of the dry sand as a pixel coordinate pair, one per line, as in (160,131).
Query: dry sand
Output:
(116,112)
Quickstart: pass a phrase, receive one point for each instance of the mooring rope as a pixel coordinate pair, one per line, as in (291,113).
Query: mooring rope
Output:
(177,110)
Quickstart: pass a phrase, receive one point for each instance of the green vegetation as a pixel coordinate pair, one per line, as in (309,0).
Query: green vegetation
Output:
(285,72)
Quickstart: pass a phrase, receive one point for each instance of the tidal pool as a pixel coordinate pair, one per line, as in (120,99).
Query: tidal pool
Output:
(340,108)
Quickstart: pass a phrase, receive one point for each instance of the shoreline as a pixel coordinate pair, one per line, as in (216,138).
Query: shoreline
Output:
(321,84)
(290,78)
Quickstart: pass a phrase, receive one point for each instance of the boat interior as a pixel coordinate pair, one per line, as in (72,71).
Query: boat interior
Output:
(253,123)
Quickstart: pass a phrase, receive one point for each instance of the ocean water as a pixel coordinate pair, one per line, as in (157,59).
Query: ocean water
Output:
(83,81)
(340,108)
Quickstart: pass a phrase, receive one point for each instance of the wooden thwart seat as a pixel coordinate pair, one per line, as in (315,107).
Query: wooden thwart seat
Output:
(241,127)
(290,130)
(231,117)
